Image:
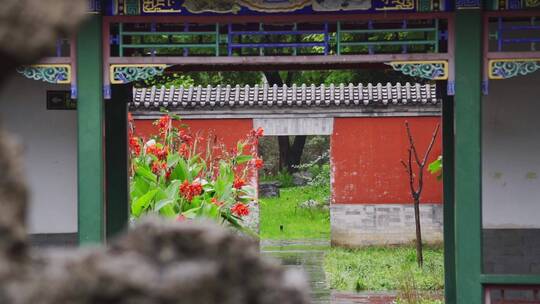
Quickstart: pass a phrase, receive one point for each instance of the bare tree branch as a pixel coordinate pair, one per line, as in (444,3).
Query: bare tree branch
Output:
(417,192)
(433,137)
(411,142)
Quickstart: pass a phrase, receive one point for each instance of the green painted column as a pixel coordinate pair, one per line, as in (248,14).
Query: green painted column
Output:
(116,147)
(468,160)
(448,177)
(91,190)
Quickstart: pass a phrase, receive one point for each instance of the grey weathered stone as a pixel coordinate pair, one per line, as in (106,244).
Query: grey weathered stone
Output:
(301,178)
(269,189)
(162,262)
(311,204)
(157,261)
(29,28)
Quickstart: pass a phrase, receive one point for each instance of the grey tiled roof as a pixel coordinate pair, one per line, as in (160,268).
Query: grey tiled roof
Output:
(283,96)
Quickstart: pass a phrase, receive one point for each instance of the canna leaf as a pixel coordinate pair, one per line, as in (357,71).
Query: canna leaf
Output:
(139,205)
(241,159)
(145,173)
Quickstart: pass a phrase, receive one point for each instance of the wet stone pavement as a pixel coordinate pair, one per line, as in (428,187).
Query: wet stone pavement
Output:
(308,256)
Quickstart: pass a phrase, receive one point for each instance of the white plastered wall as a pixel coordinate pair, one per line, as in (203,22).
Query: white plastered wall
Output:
(49,141)
(511,153)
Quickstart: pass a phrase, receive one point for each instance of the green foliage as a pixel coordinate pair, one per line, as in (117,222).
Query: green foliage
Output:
(383,268)
(408,292)
(436,167)
(297,223)
(171,177)
(231,78)
(285,179)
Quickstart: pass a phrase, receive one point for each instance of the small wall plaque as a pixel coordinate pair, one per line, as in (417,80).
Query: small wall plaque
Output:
(60,100)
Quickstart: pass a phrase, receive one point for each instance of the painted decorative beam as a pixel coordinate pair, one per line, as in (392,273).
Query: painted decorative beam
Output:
(126,73)
(51,73)
(508,68)
(432,70)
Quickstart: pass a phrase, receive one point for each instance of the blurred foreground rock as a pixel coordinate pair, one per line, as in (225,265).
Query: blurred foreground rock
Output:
(156,262)
(29,28)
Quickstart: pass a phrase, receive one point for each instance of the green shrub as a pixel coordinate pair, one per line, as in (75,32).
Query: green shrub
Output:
(285,179)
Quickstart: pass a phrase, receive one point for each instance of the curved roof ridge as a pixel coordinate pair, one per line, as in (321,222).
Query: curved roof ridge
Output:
(303,95)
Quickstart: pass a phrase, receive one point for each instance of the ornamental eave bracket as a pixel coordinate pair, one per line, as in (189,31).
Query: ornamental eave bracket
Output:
(432,70)
(55,73)
(127,73)
(498,69)
(508,68)
(426,69)
(51,73)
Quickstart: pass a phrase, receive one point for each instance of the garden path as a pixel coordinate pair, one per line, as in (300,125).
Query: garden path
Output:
(308,256)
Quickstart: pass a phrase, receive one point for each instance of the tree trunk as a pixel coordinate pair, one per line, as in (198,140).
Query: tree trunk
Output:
(289,156)
(284,147)
(295,152)
(419,253)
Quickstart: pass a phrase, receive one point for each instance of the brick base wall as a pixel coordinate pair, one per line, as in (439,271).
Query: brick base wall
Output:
(511,251)
(357,225)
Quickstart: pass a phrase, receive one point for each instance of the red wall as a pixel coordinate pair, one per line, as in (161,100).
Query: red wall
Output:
(228,131)
(366,155)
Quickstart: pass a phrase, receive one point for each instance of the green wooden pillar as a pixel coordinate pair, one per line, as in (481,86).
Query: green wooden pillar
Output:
(468,168)
(116,147)
(91,190)
(448,177)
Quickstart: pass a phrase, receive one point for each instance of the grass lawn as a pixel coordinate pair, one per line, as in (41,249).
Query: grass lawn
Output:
(297,223)
(384,268)
(366,269)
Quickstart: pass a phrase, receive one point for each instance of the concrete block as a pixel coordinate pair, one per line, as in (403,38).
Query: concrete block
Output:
(357,225)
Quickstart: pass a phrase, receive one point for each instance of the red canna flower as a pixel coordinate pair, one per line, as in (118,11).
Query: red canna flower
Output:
(184,150)
(190,191)
(239,183)
(257,133)
(196,189)
(163,125)
(216,202)
(162,153)
(184,188)
(158,166)
(151,149)
(240,209)
(135,145)
(186,138)
(258,163)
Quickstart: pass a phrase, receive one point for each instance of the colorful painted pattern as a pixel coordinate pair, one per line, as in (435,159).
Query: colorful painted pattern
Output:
(256,7)
(51,73)
(503,69)
(132,72)
(467,4)
(514,4)
(433,70)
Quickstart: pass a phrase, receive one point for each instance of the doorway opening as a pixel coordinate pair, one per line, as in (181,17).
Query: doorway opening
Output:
(294,189)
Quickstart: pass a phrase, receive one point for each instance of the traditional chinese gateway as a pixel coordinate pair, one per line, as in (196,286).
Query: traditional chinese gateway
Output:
(481,55)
